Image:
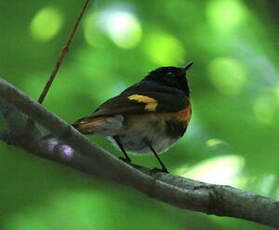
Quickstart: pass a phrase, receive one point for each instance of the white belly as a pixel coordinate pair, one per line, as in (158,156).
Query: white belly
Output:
(134,138)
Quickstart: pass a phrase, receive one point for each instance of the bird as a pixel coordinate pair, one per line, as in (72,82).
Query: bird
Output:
(147,117)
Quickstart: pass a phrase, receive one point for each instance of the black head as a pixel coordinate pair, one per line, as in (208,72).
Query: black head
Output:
(172,77)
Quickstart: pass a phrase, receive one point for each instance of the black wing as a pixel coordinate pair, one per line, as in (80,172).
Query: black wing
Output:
(137,102)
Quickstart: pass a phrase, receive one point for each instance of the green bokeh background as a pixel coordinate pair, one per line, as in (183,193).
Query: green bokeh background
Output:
(232,138)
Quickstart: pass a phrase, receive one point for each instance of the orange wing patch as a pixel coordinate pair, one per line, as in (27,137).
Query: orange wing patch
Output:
(151,103)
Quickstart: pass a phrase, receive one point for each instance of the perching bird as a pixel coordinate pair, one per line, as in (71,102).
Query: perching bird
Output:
(147,117)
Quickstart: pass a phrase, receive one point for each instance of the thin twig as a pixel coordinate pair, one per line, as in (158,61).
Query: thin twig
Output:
(62,54)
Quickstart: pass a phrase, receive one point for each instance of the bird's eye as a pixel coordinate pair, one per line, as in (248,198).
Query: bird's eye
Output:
(170,74)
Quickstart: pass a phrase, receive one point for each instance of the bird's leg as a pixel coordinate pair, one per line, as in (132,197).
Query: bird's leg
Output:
(164,168)
(127,158)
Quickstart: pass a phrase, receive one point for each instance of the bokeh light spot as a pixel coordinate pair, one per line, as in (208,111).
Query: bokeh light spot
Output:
(122,27)
(265,107)
(164,49)
(225,15)
(227,75)
(19,222)
(51,143)
(266,184)
(93,34)
(66,152)
(46,24)
(218,170)
(213,142)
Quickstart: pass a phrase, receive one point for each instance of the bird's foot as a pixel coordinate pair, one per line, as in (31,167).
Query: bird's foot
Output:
(125,159)
(156,170)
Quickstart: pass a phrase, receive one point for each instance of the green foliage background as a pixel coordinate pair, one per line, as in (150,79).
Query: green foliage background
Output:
(233,136)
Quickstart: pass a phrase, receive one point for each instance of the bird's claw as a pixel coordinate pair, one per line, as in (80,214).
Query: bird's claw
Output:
(156,170)
(127,160)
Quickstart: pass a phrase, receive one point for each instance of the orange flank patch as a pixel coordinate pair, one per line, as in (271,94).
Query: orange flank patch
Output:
(150,103)
(185,114)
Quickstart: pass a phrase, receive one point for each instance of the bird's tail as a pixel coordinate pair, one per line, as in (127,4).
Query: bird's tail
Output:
(86,125)
(101,126)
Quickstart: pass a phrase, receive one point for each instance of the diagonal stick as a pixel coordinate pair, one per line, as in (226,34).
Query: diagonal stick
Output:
(62,54)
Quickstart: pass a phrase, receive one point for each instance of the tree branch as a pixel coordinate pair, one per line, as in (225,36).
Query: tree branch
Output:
(75,150)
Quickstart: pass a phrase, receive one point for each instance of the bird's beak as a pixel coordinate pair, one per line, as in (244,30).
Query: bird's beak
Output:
(187,66)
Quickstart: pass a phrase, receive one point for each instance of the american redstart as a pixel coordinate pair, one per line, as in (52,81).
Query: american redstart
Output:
(149,116)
